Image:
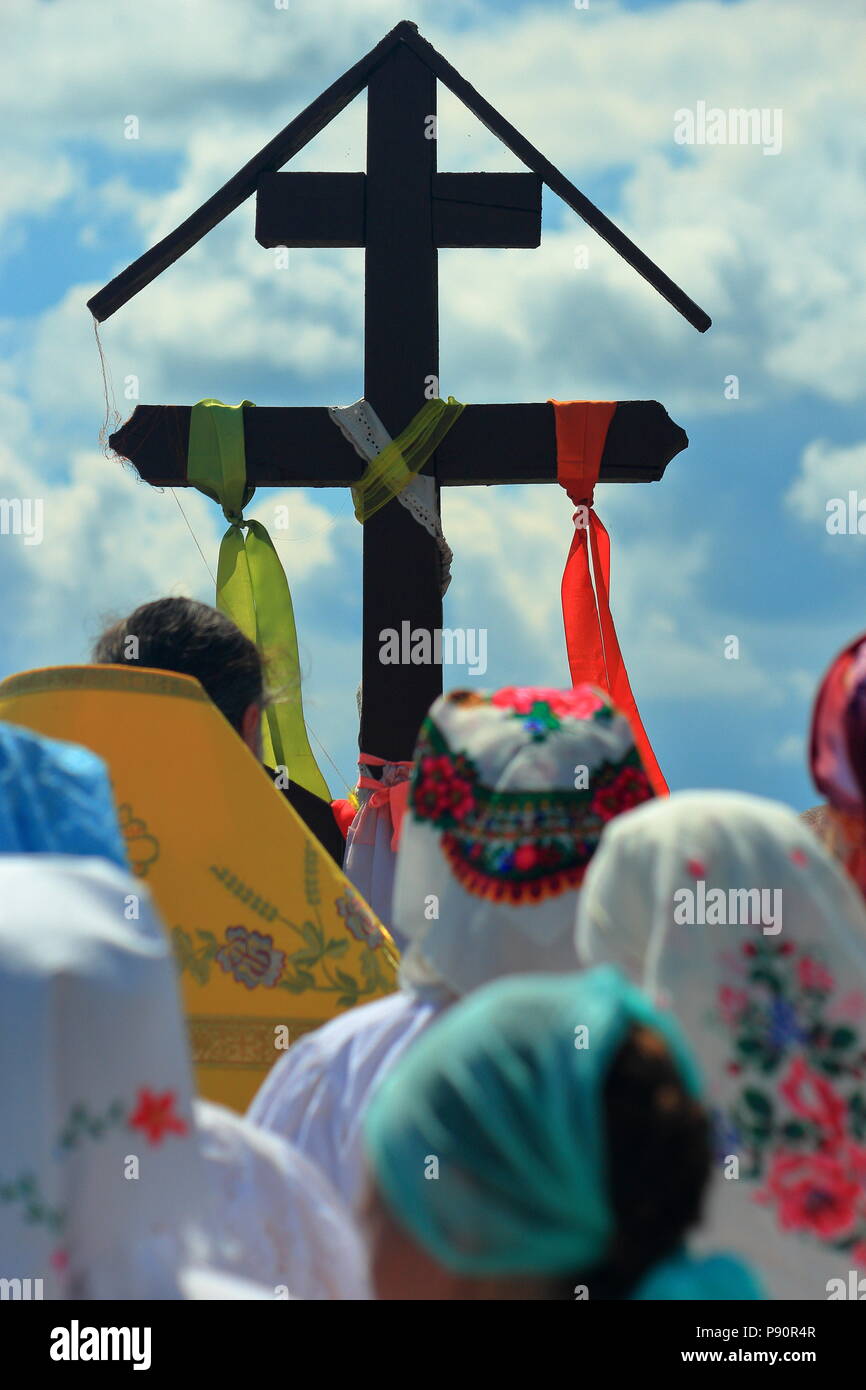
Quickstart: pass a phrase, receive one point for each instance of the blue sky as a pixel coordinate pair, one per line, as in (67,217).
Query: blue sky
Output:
(732,542)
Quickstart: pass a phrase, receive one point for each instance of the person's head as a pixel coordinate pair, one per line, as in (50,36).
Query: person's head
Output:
(680,886)
(837,757)
(55,798)
(544,1139)
(180,634)
(727,910)
(99,1164)
(838,735)
(508,799)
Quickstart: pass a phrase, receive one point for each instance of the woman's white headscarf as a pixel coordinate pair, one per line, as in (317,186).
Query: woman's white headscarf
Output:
(114,1183)
(509,797)
(100,1176)
(728,912)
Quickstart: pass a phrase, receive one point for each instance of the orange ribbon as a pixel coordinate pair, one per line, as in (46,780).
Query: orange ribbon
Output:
(395,798)
(590,635)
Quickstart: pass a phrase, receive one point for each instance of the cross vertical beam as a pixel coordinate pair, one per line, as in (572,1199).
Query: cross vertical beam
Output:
(401,210)
(401,350)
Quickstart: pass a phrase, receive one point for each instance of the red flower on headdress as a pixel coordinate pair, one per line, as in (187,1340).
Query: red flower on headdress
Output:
(526,858)
(579,703)
(155,1115)
(519,698)
(629,788)
(443,790)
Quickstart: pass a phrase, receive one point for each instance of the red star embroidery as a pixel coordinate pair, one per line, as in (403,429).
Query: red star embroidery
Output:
(154,1114)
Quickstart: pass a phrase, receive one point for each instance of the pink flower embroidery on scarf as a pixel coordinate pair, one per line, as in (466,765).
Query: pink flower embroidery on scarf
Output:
(812,1098)
(851,1006)
(732,1004)
(855,1156)
(813,1193)
(803,1131)
(812,975)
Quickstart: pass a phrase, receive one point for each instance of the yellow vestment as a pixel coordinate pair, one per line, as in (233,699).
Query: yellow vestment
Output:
(270,938)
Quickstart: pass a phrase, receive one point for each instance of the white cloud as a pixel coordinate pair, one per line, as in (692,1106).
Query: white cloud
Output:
(509,559)
(515,324)
(827,473)
(772,247)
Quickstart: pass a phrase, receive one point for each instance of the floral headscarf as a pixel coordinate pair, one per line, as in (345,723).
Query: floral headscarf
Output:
(727,910)
(510,794)
(100,1176)
(114,1182)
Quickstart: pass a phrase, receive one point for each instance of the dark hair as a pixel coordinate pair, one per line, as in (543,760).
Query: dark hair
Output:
(180,634)
(659,1157)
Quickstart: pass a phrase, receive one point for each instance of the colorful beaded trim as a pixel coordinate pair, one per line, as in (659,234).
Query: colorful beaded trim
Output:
(519,846)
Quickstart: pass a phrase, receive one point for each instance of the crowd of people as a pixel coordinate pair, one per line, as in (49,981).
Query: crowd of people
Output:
(626,1058)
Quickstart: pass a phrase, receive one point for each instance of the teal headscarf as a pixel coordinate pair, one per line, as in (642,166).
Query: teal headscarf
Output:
(55,798)
(505,1094)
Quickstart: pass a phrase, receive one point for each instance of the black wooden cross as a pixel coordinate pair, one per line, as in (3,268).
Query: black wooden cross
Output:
(401,210)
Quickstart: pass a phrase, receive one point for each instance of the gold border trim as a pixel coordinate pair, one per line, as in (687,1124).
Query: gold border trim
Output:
(241,1044)
(144,680)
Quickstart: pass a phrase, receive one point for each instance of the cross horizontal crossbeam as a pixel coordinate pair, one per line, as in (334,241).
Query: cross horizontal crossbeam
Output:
(300,446)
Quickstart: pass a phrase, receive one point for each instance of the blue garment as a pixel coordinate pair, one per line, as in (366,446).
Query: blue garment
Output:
(711,1278)
(55,798)
(487,1138)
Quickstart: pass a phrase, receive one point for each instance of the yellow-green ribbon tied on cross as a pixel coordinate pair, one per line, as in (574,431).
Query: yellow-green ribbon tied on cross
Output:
(394,468)
(252,588)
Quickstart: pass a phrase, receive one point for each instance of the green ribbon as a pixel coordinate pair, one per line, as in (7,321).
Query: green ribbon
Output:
(390,471)
(252,588)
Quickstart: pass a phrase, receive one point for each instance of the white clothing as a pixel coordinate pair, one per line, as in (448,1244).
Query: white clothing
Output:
(282,1222)
(111,1185)
(317,1094)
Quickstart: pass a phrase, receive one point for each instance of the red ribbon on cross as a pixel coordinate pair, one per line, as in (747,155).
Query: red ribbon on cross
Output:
(590,635)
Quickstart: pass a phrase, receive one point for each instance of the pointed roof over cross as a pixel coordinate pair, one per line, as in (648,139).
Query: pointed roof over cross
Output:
(402,210)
